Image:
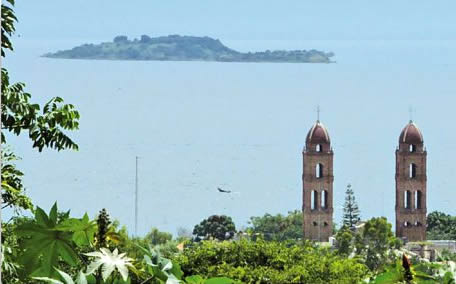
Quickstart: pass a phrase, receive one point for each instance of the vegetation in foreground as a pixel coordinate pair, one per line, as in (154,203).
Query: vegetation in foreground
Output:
(56,247)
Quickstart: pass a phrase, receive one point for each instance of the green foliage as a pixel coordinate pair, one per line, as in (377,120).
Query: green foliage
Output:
(83,230)
(351,211)
(344,239)
(373,243)
(420,273)
(120,239)
(160,268)
(46,129)
(8,28)
(11,249)
(8,265)
(446,255)
(160,241)
(441,226)
(376,241)
(270,262)
(45,244)
(196,279)
(219,227)
(13,190)
(392,274)
(449,278)
(278,227)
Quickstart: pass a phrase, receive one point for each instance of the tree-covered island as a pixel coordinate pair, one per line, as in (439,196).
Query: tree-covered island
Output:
(184,48)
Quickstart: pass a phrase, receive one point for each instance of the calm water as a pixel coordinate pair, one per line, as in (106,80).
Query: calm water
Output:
(197,126)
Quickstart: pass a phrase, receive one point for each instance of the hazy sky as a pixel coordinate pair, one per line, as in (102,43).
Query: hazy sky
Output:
(102,19)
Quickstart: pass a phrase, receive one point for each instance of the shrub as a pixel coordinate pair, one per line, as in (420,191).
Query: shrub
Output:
(270,262)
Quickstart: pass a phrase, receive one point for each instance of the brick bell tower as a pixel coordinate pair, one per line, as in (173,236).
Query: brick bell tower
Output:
(411,184)
(317,179)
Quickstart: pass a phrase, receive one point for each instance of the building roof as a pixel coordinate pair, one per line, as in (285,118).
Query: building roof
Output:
(318,134)
(411,134)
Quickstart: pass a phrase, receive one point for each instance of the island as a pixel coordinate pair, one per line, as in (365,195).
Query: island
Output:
(184,48)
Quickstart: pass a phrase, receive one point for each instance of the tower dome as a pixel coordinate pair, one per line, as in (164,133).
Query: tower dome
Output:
(411,134)
(318,134)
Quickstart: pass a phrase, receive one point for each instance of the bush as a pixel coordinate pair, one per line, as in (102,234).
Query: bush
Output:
(270,262)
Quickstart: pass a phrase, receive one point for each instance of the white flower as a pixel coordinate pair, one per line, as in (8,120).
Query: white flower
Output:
(109,261)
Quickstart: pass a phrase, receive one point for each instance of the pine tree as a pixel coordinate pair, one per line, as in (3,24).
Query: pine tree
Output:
(351,210)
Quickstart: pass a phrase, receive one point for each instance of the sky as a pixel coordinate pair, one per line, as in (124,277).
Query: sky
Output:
(239,20)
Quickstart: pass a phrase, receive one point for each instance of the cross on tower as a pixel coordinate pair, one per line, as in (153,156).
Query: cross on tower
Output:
(411,113)
(318,113)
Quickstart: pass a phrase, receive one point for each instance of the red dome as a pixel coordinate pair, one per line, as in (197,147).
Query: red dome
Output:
(411,134)
(318,134)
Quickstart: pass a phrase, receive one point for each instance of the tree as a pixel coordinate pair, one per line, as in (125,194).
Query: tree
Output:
(219,227)
(374,242)
(278,227)
(371,242)
(441,226)
(351,210)
(145,39)
(120,39)
(344,240)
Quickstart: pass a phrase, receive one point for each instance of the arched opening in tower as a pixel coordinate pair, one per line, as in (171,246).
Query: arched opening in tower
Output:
(318,148)
(412,148)
(407,224)
(412,170)
(407,199)
(418,199)
(313,200)
(324,199)
(319,170)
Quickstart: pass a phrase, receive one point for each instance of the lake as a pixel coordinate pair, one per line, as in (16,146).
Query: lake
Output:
(197,126)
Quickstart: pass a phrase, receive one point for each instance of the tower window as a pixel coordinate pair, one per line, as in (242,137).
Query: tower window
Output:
(407,224)
(407,199)
(412,170)
(412,148)
(418,224)
(319,170)
(313,200)
(325,224)
(324,199)
(318,148)
(315,223)
(418,199)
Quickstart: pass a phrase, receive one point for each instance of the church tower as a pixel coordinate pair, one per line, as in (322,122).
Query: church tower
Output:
(411,185)
(317,179)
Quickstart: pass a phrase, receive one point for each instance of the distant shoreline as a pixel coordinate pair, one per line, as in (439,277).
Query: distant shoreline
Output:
(175,60)
(184,48)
